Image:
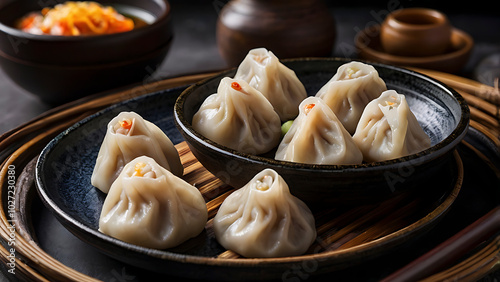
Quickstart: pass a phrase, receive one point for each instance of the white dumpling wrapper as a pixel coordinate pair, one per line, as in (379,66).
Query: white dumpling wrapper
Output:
(318,137)
(388,129)
(262,219)
(149,206)
(279,84)
(121,146)
(352,87)
(239,117)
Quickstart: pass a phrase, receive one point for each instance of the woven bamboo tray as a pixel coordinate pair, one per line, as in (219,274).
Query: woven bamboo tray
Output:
(20,147)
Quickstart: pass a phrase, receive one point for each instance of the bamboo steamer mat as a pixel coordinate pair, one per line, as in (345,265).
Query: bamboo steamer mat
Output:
(21,146)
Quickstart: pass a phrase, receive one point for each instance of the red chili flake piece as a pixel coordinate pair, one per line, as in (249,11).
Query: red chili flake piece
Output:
(127,124)
(236,86)
(308,108)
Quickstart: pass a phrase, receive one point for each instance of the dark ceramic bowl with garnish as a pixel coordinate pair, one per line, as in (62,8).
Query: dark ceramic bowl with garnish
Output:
(441,112)
(63,68)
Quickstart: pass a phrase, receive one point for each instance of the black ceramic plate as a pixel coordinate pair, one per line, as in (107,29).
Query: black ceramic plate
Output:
(63,181)
(440,110)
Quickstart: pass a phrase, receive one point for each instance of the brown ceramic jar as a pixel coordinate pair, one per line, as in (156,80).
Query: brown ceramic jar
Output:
(415,32)
(288,28)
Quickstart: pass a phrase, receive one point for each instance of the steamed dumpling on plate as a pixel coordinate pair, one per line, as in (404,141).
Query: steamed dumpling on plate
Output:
(318,137)
(149,206)
(263,219)
(388,129)
(352,87)
(129,136)
(279,84)
(239,117)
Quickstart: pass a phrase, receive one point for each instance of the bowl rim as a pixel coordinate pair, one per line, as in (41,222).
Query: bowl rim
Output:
(393,18)
(436,150)
(15,32)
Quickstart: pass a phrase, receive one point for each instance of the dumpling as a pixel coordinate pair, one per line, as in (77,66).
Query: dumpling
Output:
(281,86)
(239,117)
(318,137)
(388,129)
(129,136)
(149,206)
(262,219)
(348,92)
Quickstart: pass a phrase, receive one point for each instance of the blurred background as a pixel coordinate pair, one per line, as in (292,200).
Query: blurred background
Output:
(195,50)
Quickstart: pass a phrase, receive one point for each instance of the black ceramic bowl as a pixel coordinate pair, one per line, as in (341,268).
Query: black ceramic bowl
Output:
(441,111)
(64,68)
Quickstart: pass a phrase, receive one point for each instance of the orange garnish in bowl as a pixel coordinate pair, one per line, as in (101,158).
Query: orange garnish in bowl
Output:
(76,18)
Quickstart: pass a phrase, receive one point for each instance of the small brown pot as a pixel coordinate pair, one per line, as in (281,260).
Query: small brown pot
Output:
(415,32)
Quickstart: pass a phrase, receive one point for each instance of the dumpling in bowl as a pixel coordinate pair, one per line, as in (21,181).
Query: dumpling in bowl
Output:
(281,86)
(129,136)
(348,92)
(262,219)
(239,117)
(388,129)
(149,206)
(318,137)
